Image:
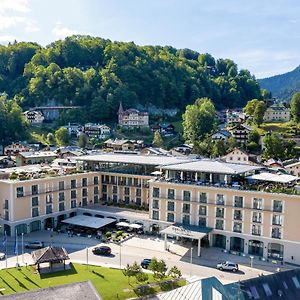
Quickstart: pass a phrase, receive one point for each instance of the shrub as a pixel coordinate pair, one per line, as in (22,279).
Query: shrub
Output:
(119,233)
(108,234)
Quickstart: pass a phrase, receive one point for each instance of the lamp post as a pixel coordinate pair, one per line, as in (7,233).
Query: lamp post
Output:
(191,261)
(23,247)
(120,256)
(251,261)
(87,258)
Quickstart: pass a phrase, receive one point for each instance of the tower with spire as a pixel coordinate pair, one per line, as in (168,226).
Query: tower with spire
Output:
(120,113)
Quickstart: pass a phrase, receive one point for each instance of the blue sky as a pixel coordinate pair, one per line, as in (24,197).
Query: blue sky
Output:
(260,35)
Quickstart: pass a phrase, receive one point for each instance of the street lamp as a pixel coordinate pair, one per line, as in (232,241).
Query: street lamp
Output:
(120,256)
(23,247)
(191,261)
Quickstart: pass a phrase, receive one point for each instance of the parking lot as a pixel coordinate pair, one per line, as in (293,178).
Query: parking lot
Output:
(140,247)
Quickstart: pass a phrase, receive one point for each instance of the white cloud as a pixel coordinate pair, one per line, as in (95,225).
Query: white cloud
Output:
(31,26)
(62,31)
(14,5)
(5,39)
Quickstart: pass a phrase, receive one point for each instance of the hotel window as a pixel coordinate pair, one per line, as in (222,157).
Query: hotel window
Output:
(115,189)
(186,219)
(34,189)
(220,199)
(237,215)
(49,209)
(238,201)
(73,194)
(155,204)
(96,180)
(171,193)
(34,212)
(155,214)
(276,233)
(155,192)
(170,217)
(96,199)
(115,198)
(186,195)
(257,203)
(34,201)
(84,202)
(256,217)
(61,196)
(202,222)
(136,182)
(186,208)
(277,220)
(203,198)
(73,203)
(219,212)
(20,191)
(84,192)
(84,181)
(129,181)
(61,185)
(202,210)
(126,190)
(171,206)
(61,206)
(237,227)
(138,192)
(6,204)
(277,206)
(73,184)
(220,224)
(267,290)
(127,200)
(138,201)
(96,190)
(256,229)
(104,188)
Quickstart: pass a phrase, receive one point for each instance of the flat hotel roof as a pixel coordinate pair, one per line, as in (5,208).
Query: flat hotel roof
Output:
(212,166)
(154,160)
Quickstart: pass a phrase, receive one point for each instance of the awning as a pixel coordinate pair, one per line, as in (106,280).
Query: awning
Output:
(281,178)
(90,222)
(136,226)
(156,173)
(123,224)
(192,232)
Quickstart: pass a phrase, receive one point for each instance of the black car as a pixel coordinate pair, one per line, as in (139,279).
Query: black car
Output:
(102,250)
(145,263)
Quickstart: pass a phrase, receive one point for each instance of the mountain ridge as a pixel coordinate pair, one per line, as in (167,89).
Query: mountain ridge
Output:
(282,86)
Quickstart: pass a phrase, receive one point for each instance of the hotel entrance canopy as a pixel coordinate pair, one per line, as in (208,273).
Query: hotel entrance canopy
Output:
(187,231)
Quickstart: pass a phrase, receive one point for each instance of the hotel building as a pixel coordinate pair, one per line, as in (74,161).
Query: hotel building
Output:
(240,208)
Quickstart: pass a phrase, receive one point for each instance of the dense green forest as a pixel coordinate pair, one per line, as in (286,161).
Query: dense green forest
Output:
(97,74)
(283,86)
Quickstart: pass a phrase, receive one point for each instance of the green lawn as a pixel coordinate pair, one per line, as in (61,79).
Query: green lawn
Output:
(108,282)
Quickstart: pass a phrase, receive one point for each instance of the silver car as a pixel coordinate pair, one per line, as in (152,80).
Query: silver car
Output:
(34,245)
(228,266)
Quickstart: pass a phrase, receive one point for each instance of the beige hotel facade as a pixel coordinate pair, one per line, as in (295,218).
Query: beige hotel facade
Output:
(240,215)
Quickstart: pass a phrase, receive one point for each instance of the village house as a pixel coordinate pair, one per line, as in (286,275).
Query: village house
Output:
(277,112)
(222,135)
(235,116)
(240,156)
(240,132)
(15,148)
(123,145)
(294,168)
(132,118)
(96,131)
(7,162)
(164,129)
(34,116)
(74,129)
(32,158)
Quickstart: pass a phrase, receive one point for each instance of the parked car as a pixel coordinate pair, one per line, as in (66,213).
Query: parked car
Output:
(35,245)
(2,256)
(145,263)
(102,250)
(228,266)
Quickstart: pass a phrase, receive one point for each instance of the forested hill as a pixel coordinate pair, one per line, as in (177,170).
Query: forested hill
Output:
(97,74)
(283,86)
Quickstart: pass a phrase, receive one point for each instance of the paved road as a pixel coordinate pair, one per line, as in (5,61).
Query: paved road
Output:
(135,250)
